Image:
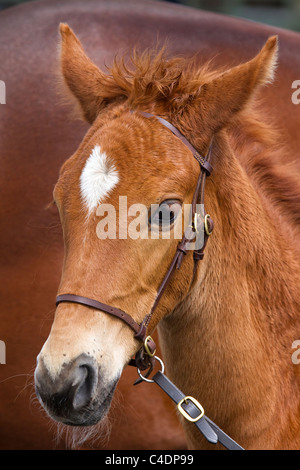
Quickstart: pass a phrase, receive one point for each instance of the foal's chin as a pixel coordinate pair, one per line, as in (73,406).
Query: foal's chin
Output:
(91,414)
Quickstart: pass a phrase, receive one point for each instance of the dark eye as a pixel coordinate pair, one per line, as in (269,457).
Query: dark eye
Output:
(165,214)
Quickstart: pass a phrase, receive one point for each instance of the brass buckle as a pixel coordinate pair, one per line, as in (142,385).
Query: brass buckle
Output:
(146,347)
(196,222)
(206,227)
(185,414)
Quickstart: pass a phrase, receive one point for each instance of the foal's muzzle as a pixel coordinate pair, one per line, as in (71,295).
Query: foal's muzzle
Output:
(72,396)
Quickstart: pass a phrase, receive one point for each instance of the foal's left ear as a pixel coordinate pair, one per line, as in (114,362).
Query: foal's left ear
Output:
(227,94)
(83,78)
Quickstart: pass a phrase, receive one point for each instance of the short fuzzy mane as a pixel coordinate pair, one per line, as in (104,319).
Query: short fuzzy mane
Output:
(151,77)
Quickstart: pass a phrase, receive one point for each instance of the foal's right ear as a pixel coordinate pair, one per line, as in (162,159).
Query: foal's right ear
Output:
(83,78)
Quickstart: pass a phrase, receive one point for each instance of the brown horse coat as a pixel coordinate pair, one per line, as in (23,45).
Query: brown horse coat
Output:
(37,136)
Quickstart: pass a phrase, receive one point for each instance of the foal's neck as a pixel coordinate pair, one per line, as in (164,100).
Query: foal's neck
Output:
(229,343)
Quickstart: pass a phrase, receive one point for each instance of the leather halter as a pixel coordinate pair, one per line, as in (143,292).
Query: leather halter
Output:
(144,357)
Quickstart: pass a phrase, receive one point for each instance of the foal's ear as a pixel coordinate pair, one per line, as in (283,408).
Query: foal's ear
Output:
(227,94)
(83,78)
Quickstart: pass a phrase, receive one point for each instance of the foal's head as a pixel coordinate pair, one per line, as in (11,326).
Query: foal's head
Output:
(129,175)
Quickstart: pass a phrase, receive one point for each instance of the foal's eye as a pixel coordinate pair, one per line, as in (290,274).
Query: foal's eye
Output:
(166,213)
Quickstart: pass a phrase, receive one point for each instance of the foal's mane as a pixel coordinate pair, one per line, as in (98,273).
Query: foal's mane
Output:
(152,81)
(151,77)
(261,148)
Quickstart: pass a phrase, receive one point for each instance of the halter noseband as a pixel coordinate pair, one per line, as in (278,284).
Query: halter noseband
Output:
(145,356)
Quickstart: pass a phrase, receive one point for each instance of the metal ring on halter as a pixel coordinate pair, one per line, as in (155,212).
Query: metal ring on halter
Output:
(162,370)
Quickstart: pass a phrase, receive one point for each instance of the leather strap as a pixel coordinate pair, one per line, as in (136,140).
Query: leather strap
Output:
(204,163)
(206,426)
(198,198)
(139,329)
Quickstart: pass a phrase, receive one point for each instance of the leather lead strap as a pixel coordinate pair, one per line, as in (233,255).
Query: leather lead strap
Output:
(206,426)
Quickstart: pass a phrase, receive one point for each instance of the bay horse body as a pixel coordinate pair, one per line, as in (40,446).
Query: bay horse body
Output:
(37,137)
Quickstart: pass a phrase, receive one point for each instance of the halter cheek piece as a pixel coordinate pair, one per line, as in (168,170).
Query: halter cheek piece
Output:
(145,357)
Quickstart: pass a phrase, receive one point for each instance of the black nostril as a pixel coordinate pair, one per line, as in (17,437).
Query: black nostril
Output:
(84,384)
(70,391)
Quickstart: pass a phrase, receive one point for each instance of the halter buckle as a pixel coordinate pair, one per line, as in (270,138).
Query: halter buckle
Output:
(148,351)
(185,414)
(195,222)
(206,225)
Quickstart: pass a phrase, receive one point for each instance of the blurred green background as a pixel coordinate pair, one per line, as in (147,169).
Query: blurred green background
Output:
(282,13)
